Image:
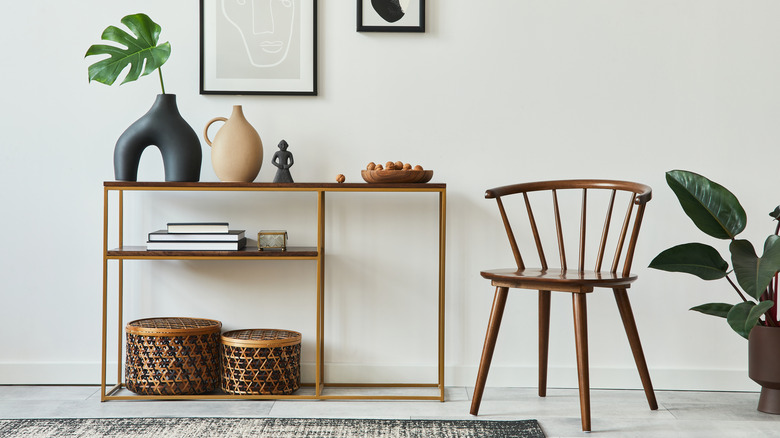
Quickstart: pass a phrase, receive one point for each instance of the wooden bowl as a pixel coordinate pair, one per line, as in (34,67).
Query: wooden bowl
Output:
(396,176)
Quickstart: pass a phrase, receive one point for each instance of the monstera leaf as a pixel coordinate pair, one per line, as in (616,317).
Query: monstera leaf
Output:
(711,207)
(141,52)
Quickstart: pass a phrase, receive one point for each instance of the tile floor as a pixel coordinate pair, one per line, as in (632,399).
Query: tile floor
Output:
(616,413)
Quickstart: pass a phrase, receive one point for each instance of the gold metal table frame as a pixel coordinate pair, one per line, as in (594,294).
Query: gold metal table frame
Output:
(317,254)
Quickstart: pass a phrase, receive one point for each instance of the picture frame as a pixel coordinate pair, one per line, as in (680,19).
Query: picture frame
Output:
(248,50)
(391,15)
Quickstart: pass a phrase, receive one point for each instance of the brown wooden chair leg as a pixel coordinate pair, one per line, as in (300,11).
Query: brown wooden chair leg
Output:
(544,339)
(624,306)
(581,341)
(499,302)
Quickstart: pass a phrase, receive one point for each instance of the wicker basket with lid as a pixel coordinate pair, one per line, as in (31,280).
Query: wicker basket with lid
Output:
(261,362)
(172,356)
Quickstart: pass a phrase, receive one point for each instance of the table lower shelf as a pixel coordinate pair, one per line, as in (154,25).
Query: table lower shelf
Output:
(390,391)
(140,252)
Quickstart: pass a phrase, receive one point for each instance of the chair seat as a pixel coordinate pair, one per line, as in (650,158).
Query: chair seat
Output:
(565,280)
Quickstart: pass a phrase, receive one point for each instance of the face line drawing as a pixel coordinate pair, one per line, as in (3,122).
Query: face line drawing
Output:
(267,46)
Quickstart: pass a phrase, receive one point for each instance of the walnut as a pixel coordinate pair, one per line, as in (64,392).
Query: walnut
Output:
(407,166)
(379,167)
(340,178)
(371,166)
(390,165)
(418,167)
(399,165)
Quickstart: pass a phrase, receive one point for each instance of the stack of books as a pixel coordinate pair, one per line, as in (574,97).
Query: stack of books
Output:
(196,236)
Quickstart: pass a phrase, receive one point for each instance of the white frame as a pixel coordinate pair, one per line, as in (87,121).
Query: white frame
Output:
(305,85)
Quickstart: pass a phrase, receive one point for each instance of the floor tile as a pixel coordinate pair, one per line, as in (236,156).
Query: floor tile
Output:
(392,391)
(614,413)
(502,402)
(367,409)
(33,392)
(570,428)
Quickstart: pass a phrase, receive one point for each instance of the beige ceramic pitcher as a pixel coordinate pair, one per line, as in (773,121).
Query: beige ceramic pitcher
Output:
(237,151)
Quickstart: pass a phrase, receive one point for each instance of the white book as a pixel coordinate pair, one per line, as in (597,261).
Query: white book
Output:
(164,236)
(195,246)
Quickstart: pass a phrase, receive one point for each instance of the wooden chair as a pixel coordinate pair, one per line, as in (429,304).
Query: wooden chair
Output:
(579,282)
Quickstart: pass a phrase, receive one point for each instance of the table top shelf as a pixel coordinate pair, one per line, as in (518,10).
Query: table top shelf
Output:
(307,186)
(140,252)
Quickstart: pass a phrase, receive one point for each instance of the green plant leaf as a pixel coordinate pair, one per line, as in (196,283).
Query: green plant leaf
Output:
(755,314)
(711,207)
(715,309)
(142,52)
(698,259)
(738,315)
(776,213)
(755,273)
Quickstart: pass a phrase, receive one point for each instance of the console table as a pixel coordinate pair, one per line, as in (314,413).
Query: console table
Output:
(314,253)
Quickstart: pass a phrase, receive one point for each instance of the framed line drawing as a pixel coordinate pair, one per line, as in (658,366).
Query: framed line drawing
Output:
(262,47)
(391,15)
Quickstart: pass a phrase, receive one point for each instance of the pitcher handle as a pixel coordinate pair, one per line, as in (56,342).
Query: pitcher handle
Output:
(206,129)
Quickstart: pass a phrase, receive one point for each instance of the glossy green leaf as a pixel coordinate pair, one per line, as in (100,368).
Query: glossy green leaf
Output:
(755,273)
(755,314)
(738,315)
(776,213)
(715,309)
(141,52)
(711,207)
(698,259)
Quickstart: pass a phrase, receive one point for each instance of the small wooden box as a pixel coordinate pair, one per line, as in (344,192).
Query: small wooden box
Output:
(272,239)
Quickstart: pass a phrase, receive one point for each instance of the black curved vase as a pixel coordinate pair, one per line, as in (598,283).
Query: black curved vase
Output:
(164,127)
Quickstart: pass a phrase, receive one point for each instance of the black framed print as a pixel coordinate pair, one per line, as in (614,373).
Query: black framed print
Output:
(391,15)
(258,47)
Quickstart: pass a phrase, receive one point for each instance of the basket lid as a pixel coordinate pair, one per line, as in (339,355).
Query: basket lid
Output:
(261,338)
(173,326)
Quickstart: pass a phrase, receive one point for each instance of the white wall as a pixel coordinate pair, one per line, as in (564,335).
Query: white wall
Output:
(494,92)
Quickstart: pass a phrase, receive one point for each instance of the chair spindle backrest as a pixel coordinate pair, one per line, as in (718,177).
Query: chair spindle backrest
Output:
(640,195)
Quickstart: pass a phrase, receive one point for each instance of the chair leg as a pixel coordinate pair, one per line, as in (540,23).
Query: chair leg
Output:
(544,339)
(497,312)
(581,341)
(624,306)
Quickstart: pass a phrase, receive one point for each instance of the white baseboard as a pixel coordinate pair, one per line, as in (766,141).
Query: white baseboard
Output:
(88,373)
(609,378)
(50,373)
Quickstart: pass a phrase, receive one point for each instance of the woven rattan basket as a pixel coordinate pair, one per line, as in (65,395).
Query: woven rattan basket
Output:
(261,362)
(172,356)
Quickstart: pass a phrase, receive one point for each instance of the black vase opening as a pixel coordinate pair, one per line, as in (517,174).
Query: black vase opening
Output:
(164,127)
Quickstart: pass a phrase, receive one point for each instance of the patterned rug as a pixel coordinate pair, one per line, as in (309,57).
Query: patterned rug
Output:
(266,427)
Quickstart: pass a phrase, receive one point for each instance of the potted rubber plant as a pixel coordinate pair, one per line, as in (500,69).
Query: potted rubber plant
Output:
(162,126)
(718,213)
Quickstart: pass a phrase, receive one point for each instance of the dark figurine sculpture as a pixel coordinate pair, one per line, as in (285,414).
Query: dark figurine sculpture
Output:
(164,127)
(282,159)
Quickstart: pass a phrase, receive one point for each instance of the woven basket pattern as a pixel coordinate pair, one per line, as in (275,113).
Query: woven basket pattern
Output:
(173,324)
(172,364)
(258,367)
